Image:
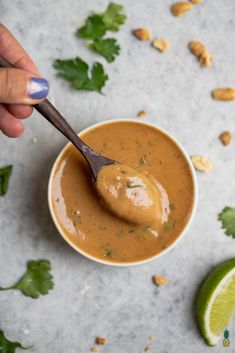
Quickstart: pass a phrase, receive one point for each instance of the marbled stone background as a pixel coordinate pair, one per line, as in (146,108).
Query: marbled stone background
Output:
(120,304)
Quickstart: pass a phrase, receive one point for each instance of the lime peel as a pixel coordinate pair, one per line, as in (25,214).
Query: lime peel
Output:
(216,302)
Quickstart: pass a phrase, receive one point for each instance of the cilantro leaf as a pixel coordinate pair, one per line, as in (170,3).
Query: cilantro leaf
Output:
(227,218)
(98,77)
(113,17)
(76,71)
(5,174)
(98,24)
(7,346)
(108,48)
(36,280)
(94,27)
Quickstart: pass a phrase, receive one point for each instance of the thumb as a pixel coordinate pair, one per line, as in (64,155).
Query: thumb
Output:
(21,87)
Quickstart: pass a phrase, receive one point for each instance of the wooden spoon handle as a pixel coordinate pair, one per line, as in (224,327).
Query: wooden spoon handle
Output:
(49,111)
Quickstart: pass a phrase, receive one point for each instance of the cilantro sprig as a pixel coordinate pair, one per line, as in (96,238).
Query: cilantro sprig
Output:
(227,218)
(97,25)
(77,71)
(5,174)
(36,280)
(7,346)
(93,31)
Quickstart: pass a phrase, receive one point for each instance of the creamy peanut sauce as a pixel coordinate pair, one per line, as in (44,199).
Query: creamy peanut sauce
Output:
(133,195)
(85,219)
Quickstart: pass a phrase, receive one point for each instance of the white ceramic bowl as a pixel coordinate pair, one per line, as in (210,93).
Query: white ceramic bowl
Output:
(134,263)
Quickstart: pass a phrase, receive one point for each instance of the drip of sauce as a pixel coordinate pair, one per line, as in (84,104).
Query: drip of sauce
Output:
(132,195)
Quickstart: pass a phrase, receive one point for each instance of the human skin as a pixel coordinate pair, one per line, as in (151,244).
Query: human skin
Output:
(20,87)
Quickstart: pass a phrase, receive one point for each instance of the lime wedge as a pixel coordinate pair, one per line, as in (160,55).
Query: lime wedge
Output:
(216,302)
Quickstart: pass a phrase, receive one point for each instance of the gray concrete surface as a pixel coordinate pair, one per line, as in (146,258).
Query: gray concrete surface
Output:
(120,304)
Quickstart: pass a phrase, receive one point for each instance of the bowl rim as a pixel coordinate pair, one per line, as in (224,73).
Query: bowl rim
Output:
(133,263)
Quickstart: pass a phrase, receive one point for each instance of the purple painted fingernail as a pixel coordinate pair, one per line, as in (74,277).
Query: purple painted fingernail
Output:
(38,88)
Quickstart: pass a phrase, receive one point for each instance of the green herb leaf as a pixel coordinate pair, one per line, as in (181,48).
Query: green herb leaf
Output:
(36,280)
(97,25)
(94,27)
(107,251)
(98,77)
(143,160)
(170,224)
(226,334)
(113,17)
(120,234)
(76,71)
(108,48)
(7,346)
(227,218)
(5,174)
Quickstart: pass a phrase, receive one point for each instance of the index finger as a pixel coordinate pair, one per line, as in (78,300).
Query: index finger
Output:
(12,51)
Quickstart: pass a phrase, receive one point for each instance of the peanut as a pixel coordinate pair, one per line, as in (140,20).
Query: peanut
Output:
(195,2)
(142,34)
(206,60)
(180,8)
(100,340)
(199,50)
(161,44)
(94,349)
(225,137)
(142,113)
(202,163)
(223,94)
(160,280)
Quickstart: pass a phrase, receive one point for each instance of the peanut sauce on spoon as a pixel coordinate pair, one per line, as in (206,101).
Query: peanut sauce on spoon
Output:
(133,196)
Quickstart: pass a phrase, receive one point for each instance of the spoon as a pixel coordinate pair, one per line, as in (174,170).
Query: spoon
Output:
(95,160)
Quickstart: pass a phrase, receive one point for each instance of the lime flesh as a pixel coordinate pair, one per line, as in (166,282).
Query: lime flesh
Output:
(216,301)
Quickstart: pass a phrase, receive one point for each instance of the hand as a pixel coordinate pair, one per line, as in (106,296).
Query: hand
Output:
(19,87)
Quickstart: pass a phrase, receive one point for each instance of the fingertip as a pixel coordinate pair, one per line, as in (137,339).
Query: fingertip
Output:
(14,130)
(9,125)
(19,87)
(17,130)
